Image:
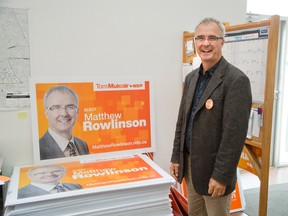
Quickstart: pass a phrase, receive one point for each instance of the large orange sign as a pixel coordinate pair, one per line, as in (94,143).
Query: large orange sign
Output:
(114,115)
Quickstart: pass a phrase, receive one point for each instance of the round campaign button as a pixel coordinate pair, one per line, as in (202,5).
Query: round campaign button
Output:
(209,104)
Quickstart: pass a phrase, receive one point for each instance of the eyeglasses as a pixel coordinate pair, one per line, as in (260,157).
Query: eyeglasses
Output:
(210,38)
(47,172)
(58,108)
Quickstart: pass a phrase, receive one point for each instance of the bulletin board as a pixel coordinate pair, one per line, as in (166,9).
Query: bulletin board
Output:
(253,48)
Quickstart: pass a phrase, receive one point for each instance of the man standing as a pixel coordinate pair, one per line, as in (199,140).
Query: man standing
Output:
(212,125)
(46,180)
(61,110)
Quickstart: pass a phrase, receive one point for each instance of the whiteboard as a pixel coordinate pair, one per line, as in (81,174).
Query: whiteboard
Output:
(248,52)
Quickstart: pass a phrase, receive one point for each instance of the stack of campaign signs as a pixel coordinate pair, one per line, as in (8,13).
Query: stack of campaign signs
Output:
(129,185)
(112,120)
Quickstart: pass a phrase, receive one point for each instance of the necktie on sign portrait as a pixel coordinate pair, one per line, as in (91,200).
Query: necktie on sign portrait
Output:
(59,188)
(72,149)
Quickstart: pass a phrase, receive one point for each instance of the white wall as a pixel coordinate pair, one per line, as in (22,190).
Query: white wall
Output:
(111,37)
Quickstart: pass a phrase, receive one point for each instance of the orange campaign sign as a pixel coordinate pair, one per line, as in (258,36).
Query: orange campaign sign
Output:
(36,183)
(245,162)
(101,173)
(111,115)
(237,199)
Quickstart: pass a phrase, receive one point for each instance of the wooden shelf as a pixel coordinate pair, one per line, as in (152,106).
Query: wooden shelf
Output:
(254,143)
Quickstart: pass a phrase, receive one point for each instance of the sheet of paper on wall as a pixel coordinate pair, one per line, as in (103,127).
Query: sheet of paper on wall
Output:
(189,48)
(15,55)
(255,125)
(17,99)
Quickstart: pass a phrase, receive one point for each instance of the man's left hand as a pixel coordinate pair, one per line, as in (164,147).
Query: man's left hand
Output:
(215,188)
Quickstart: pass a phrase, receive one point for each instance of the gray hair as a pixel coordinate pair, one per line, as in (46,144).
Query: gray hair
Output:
(62,168)
(60,88)
(208,20)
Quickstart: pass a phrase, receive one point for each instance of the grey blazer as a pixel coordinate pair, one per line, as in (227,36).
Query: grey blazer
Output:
(218,134)
(49,149)
(31,190)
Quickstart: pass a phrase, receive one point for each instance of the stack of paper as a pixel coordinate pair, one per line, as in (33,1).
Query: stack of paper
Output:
(132,185)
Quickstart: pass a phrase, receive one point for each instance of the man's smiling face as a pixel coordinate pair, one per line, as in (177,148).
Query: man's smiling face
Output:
(210,52)
(62,120)
(47,174)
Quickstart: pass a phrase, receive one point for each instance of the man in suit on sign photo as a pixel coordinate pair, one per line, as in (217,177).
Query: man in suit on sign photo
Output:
(46,180)
(61,109)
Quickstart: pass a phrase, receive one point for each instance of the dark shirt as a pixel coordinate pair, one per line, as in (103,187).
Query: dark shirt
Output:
(202,83)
